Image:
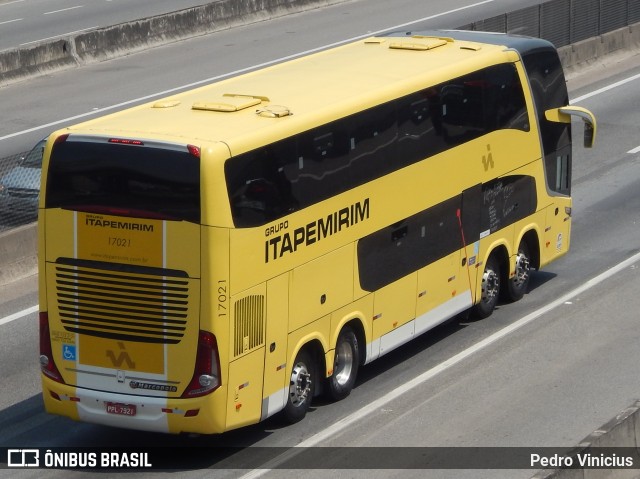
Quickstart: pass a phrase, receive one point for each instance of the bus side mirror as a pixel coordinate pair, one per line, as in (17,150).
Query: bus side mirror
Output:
(564,114)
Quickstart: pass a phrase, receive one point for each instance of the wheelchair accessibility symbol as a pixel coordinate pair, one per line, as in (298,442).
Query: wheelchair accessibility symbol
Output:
(69,352)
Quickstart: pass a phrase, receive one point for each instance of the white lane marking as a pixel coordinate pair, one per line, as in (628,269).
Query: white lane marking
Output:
(605,89)
(11,21)
(344,423)
(634,151)
(18,315)
(9,3)
(224,75)
(63,10)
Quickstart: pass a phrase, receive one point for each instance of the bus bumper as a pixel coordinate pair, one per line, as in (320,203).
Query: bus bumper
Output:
(155,414)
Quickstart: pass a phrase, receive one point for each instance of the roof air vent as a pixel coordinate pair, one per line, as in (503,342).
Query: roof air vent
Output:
(274,111)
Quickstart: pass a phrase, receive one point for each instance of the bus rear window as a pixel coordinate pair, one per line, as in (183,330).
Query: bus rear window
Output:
(126,180)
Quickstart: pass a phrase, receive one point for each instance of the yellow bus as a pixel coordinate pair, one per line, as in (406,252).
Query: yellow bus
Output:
(231,252)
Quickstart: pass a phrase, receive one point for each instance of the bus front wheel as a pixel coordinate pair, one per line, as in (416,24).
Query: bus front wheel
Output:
(490,291)
(301,387)
(345,365)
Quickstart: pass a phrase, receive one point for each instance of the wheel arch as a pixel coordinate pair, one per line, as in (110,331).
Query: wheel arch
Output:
(501,252)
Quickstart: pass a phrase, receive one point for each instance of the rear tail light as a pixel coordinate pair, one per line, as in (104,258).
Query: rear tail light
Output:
(206,373)
(47,364)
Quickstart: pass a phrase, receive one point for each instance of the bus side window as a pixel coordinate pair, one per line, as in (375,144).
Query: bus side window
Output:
(373,136)
(419,126)
(322,163)
(259,189)
(507,103)
(463,109)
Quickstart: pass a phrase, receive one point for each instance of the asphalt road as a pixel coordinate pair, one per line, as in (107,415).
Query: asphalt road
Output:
(545,371)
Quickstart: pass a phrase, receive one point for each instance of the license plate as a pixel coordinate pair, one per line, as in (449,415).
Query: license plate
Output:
(121,409)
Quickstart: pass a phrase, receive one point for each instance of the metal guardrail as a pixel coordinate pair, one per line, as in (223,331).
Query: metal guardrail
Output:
(563,22)
(17,202)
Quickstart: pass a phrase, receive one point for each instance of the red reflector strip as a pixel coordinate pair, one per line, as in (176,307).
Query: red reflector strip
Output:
(125,141)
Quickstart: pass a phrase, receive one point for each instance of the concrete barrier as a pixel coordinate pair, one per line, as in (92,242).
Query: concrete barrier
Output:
(35,60)
(104,43)
(18,253)
(589,51)
(620,436)
(125,38)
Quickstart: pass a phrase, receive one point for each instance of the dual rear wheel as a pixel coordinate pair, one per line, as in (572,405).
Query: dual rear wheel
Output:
(496,284)
(305,376)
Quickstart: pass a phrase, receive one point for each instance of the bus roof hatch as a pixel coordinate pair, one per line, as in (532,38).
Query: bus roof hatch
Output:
(418,43)
(229,103)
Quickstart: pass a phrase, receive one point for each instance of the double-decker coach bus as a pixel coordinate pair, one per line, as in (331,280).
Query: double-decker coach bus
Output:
(214,258)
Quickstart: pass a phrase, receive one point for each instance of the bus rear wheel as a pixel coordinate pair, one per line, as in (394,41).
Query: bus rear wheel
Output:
(301,387)
(345,365)
(519,284)
(490,291)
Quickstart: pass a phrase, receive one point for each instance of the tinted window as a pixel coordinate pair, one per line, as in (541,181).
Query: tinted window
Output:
(549,91)
(124,179)
(274,180)
(264,184)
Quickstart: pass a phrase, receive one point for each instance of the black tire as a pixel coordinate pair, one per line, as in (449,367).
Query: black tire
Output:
(301,387)
(519,284)
(345,365)
(491,279)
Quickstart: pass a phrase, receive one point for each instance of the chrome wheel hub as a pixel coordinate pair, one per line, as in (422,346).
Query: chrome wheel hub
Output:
(343,364)
(490,285)
(300,385)
(523,267)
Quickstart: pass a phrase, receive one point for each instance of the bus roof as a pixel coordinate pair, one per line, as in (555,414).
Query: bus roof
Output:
(283,99)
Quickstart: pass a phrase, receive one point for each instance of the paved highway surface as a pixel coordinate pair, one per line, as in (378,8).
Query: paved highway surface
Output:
(545,371)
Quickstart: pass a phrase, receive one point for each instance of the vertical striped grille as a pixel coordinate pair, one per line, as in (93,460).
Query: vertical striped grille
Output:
(248,324)
(122,305)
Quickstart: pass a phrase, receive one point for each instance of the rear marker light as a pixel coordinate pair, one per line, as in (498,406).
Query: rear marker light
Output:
(194,150)
(125,141)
